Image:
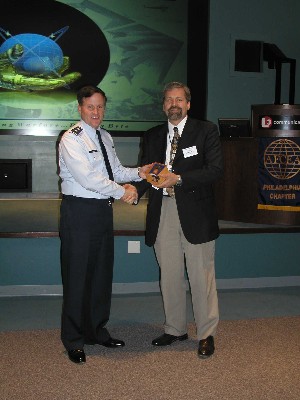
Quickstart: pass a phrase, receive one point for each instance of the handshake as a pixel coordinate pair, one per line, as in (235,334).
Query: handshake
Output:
(157,174)
(130,196)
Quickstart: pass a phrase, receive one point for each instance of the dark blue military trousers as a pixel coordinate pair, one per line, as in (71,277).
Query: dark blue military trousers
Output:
(87,256)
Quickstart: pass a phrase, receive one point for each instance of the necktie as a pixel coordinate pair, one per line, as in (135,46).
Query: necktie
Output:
(106,160)
(174,145)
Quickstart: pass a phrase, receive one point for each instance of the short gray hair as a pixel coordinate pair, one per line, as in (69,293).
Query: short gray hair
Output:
(177,85)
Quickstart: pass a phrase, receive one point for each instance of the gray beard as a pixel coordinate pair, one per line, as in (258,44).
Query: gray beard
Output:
(174,116)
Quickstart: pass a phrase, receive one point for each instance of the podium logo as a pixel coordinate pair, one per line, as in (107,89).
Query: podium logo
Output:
(266,122)
(282,159)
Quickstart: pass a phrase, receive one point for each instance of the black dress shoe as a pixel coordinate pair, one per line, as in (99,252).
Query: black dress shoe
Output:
(113,343)
(206,347)
(166,339)
(77,356)
(108,343)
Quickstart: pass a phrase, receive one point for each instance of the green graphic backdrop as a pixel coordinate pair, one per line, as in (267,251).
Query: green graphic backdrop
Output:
(129,48)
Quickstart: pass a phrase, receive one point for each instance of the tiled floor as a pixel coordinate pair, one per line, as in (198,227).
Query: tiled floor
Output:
(43,312)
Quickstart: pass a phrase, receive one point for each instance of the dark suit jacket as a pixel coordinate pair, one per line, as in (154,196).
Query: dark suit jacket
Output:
(195,198)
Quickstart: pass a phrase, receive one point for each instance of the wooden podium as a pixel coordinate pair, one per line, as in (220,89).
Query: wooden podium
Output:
(237,192)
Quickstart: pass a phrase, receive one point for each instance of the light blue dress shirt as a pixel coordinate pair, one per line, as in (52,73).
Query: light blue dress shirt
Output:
(82,166)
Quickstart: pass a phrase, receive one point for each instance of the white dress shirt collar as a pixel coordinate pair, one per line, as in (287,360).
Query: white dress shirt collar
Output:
(180,127)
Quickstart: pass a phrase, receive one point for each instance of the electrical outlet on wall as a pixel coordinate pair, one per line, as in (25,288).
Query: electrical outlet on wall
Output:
(134,246)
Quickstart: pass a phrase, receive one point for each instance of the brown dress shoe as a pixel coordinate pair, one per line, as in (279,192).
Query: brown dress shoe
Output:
(166,339)
(206,347)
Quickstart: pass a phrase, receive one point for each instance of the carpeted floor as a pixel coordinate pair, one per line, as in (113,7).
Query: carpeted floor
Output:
(255,359)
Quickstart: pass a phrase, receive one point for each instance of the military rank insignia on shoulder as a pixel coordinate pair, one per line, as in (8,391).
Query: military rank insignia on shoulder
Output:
(77,130)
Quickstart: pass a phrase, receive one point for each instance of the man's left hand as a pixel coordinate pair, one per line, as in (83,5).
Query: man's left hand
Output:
(169,179)
(144,170)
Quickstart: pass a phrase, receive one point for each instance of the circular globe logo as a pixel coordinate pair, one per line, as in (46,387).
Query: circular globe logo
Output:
(282,159)
(41,55)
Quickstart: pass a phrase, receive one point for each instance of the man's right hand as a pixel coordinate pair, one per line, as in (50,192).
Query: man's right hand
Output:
(130,195)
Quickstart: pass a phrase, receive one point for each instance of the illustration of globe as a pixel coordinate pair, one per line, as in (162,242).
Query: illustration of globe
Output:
(282,159)
(41,54)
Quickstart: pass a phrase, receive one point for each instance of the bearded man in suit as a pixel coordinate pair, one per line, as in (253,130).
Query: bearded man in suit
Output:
(182,222)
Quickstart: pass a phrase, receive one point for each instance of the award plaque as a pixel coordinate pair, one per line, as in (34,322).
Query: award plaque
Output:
(153,176)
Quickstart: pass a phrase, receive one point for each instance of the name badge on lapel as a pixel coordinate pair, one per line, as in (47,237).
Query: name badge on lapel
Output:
(190,151)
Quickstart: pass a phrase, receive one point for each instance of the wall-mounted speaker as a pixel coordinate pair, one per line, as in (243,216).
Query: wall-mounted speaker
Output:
(248,56)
